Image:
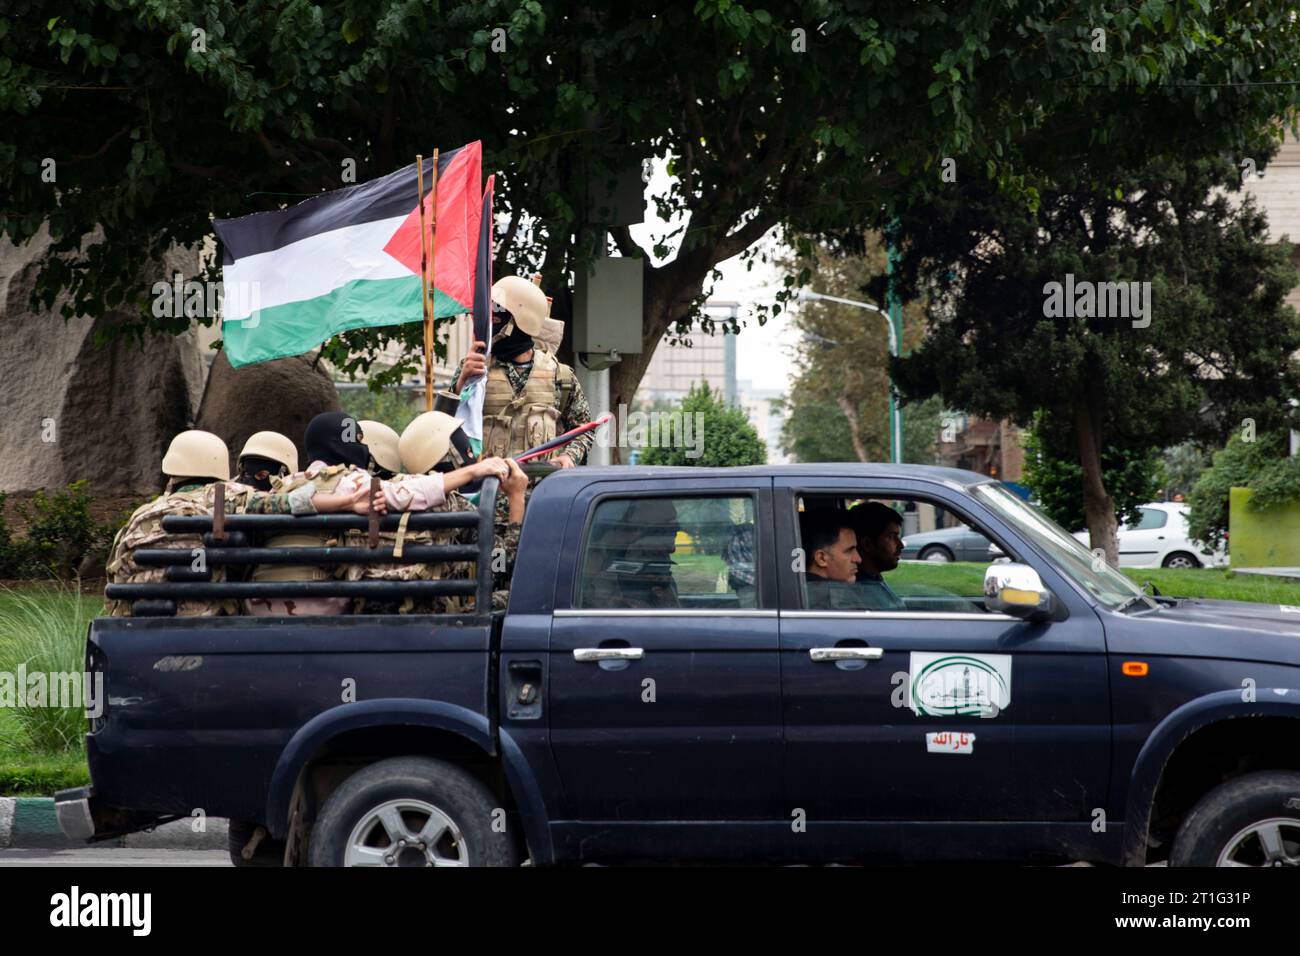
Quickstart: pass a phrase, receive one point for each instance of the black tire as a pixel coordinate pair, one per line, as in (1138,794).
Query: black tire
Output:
(268,852)
(935,549)
(1171,558)
(1232,807)
(460,796)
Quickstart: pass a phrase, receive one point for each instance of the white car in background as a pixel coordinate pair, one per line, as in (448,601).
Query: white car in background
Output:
(1160,540)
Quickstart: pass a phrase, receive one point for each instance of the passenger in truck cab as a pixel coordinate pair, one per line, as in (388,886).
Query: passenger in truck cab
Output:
(831,561)
(880,544)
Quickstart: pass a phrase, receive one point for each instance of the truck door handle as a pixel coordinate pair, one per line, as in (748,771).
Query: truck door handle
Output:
(846,653)
(608,653)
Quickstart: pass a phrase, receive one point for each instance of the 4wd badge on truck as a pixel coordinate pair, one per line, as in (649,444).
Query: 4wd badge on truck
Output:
(948,685)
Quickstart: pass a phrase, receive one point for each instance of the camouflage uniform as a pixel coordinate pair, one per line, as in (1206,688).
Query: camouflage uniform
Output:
(569,400)
(434,571)
(144,530)
(292,494)
(505,546)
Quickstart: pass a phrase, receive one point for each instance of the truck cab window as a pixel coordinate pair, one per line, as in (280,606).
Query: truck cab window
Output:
(670,553)
(872,555)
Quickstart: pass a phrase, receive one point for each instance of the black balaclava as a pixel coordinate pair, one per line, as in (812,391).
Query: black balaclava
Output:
(326,440)
(508,340)
(378,470)
(251,466)
(460,454)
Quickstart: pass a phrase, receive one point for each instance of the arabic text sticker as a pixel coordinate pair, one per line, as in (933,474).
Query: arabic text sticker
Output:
(950,742)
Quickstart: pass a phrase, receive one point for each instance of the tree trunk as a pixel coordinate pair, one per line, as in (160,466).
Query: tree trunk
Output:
(851,413)
(1098,508)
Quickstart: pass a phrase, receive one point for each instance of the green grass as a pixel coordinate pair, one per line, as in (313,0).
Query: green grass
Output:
(1220,584)
(698,573)
(44,628)
(967,578)
(960,577)
(41,774)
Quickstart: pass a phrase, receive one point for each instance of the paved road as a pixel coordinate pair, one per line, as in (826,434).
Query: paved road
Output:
(114,856)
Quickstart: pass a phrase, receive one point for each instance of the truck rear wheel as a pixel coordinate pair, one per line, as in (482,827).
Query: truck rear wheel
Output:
(411,811)
(1253,820)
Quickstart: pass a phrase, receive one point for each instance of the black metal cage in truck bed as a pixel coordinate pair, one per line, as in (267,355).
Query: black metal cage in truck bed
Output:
(228,542)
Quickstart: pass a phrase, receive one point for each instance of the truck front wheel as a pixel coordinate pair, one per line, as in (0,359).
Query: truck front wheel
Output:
(1253,820)
(411,811)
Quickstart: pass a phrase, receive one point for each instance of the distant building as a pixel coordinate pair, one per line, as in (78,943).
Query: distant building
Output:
(674,368)
(1278,194)
(766,415)
(982,445)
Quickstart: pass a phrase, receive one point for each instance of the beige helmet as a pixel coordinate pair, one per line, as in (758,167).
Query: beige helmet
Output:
(382,442)
(426,441)
(526,302)
(274,446)
(197,454)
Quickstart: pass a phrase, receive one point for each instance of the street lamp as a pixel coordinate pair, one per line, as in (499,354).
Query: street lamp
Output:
(895,413)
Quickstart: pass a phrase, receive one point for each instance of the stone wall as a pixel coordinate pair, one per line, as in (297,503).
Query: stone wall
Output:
(72,410)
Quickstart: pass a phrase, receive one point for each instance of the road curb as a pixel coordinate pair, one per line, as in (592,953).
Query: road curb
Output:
(30,822)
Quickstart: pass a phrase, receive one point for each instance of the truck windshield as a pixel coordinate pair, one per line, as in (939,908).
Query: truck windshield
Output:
(1071,558)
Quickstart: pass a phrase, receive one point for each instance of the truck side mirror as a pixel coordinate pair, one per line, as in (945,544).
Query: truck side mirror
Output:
(1016,589)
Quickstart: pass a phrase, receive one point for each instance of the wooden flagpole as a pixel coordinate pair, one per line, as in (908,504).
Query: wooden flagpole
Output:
(428,241)
(425,316)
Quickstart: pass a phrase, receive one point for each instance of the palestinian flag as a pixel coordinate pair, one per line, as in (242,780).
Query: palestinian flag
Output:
(349,259)
(470,410)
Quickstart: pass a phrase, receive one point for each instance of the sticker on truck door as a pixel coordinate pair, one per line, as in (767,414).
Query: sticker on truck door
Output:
(959,685)
(950,742)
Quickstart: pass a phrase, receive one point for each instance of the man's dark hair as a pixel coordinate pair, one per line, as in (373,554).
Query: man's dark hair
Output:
(871,518)
(820,529)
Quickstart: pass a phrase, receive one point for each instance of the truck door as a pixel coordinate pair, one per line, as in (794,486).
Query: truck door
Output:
(664,683)
(930,708)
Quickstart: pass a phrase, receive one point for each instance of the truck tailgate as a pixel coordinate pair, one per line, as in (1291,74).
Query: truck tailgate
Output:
(199,710)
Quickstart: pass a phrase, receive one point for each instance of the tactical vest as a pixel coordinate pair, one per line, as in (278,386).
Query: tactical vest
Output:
(513,424)
(144,530)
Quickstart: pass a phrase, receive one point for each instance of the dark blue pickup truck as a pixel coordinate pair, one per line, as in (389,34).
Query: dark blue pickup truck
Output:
(663,687)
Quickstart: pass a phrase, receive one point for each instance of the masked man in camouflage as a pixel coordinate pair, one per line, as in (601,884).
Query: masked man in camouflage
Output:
(436,443)
(339,458)
(531,397)
(385,462)
(266,456)
(195,461)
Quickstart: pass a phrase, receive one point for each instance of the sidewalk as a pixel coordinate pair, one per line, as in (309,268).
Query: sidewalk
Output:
(29,822)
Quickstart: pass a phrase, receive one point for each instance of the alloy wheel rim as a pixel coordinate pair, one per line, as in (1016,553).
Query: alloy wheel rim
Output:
(1271,842)
(406,832)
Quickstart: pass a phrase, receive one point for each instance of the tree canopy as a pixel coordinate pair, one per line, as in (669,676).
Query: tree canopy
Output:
(839,395)
(820,114)
(727,437)
(1138,311)
(1262,464)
